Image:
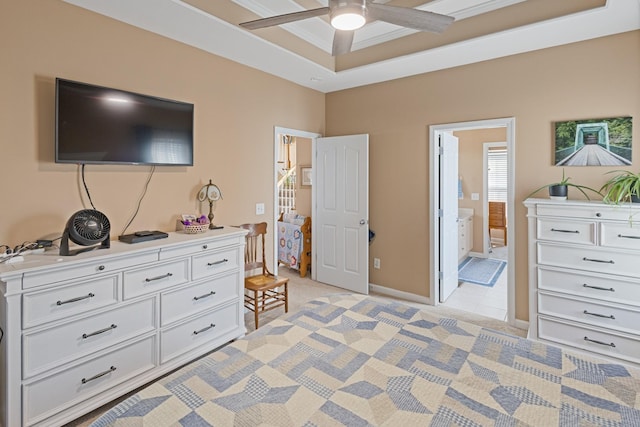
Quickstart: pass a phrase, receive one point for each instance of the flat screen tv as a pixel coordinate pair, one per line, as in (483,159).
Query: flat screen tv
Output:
(100,125)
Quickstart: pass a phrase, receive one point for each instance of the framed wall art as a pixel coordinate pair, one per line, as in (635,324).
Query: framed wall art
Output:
(593,142)
(305,176)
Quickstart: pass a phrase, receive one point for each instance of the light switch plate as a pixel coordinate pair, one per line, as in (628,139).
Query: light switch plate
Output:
(475,196)
(259,208)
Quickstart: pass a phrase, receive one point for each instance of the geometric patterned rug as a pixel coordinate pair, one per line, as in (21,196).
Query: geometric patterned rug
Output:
(360,361)
(481,271)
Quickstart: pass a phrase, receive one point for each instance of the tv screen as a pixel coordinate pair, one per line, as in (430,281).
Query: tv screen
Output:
(99,125)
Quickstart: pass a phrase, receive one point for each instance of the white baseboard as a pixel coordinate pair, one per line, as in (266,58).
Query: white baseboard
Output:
(399,294)
(521,324)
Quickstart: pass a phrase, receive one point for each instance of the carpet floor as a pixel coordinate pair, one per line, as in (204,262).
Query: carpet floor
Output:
(303,290)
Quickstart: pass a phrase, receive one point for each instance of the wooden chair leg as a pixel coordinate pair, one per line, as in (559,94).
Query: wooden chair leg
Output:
(255,307)
(286,297)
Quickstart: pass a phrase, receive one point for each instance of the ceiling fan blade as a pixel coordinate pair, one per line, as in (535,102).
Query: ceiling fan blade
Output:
(284,19)
(420,20)
(342,41)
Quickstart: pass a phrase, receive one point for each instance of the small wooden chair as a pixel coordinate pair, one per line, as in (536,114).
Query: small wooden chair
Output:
(498,218)
(264,289)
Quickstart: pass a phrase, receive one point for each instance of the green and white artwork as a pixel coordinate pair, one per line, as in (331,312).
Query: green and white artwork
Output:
(593,142)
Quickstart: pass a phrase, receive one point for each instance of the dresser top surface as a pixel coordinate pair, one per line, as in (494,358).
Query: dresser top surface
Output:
(52,257)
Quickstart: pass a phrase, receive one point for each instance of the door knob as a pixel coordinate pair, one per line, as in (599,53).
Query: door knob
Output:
(363,222)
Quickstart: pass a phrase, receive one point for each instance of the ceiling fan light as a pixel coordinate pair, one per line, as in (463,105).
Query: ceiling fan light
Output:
(348,18)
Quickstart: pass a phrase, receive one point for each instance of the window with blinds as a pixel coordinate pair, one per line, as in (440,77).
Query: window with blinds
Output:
(497,175)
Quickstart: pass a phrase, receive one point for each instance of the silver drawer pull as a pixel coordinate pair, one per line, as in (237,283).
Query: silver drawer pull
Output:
(599,342)
(164,276)
(559,230)
(90,295)
(598,260)
(222,261)
(623,236)
(584,285)
(101,331)
(101,374)
(204,329)
(204,296)
(599,315)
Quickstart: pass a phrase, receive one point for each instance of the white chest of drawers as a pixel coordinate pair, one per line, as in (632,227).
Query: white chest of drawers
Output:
(584,276)
(80,331)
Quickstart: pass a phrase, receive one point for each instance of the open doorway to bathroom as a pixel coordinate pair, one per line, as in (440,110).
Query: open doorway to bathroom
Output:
(485,278)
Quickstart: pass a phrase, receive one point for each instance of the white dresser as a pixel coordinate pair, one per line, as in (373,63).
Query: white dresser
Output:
(82,330)
(584,276)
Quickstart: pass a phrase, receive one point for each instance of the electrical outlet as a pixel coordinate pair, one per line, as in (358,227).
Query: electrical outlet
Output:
(259,208)
(376,263)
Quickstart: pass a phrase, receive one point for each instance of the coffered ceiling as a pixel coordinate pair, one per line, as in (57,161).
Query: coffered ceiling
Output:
(301,51)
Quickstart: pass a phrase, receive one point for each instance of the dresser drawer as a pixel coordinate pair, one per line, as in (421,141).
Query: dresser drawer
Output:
(53,304)
(590,258)
(592,285)
(597,340)
(155,278)
(92,268)
(590,312)
(202,246)
(216,262)
(597,211)
(567,231)
(193,333)
(176,305)
(620,235)
(62,343)
(48,396)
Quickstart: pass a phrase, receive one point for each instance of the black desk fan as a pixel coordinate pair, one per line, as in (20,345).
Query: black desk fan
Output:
(87,227)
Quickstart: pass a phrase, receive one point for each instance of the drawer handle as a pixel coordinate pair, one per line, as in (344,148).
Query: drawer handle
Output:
(101,331)
(101,374)
(90,295)
(101,267)
(204,296)
(204,329)
(623,236)
(599,342)
(598,260)
(164,276)
(600,315)
(205,246)
(598,288)
(210,264)
(559,230)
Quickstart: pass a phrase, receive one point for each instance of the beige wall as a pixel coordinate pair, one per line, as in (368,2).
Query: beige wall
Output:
(236,109)
(592,79)
(470,153)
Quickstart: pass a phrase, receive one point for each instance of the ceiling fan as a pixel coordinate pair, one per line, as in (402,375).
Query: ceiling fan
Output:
(346,16)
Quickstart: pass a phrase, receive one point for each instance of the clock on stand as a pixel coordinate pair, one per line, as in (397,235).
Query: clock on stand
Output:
(211,193)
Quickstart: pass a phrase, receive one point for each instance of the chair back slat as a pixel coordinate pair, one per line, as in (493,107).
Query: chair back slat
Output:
(254,253)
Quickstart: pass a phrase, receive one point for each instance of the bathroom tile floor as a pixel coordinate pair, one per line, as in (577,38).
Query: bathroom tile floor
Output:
(483,300)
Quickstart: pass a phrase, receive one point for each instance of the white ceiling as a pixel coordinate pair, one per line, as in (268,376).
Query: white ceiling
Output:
(194,26)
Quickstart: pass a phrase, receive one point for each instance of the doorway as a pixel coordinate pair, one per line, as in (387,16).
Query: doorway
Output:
(293,150)
(436,189)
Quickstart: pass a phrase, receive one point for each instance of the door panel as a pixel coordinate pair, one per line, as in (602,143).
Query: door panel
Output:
(449,217)
(342,211)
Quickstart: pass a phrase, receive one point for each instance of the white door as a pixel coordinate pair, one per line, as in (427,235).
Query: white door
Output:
(448,215)
(341,223)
